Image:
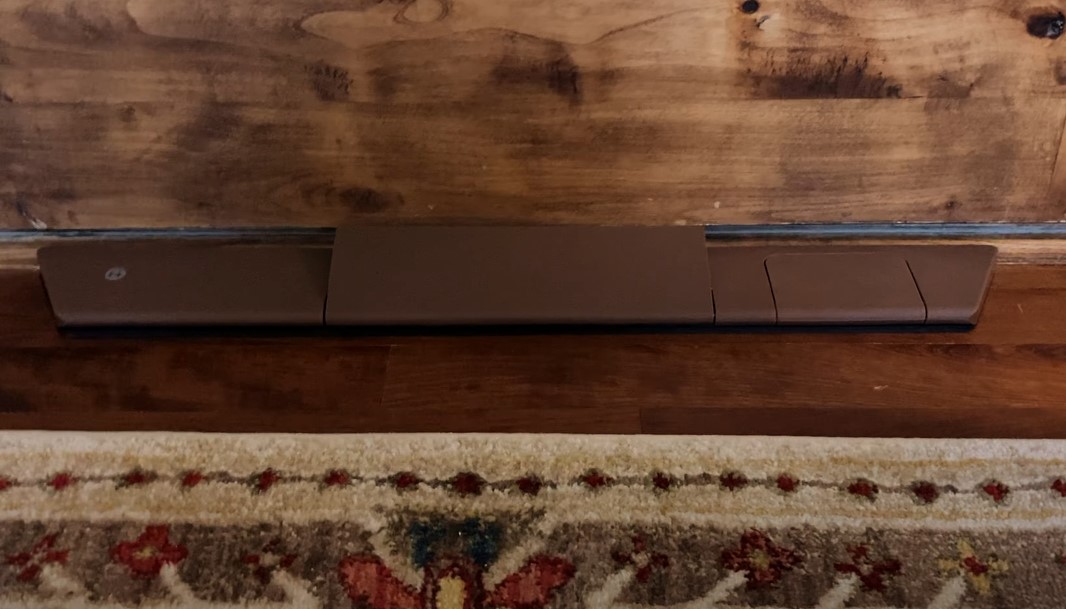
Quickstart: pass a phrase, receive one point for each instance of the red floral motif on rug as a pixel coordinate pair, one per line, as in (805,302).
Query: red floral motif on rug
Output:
(147,554)
(761,560)
(454,585)
(44,552)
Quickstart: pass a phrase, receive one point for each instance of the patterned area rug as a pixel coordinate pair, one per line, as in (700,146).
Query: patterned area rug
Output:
(529,522)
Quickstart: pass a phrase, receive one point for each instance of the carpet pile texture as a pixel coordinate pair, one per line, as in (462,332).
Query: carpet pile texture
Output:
(529,522)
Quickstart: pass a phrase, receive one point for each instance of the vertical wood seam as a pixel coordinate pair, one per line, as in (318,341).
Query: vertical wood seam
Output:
(385,377)
(1057,184)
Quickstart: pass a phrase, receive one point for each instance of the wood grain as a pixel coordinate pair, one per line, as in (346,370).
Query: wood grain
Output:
(632,373)
(353,418)
(117,113)
(125,378)
(1003,378)
(112,50)
(903,421)
(732,161)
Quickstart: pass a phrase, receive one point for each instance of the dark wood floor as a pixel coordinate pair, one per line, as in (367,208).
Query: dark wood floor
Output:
(1005,378)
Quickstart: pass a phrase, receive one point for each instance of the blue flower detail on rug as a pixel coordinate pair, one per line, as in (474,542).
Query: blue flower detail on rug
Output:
(480,540)
(454,579)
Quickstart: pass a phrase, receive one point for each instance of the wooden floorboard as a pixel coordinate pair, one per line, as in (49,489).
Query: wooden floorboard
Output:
(140,113)
(1004,378)
(899,420)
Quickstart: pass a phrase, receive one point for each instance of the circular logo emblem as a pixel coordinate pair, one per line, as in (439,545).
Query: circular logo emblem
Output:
(115,273)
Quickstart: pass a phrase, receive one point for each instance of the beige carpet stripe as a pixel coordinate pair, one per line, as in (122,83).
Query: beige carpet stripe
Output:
(886,461)
(226,504)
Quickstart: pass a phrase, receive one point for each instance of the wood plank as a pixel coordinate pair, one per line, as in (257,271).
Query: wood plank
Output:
(25,314)
(69,385)
(20,255)
(899,421)
(847,376)
(54,381)
(354,419)
(1001,379)
(300,50)
(721,161)
(313,113)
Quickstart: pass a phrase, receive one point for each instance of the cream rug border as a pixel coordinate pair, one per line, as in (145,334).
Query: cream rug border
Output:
(552,456)
(832,463)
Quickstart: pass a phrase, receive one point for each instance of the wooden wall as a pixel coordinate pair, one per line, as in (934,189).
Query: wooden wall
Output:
(136,113)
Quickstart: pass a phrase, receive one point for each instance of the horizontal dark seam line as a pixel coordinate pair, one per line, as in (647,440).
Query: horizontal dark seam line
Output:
(856,230)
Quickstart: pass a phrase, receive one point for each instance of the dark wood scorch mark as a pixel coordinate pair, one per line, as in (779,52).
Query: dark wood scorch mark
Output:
(353,199)
(550,65)
(329,82)
(213,122)
(367,200)
(945,87)
(385,82)
(837,77)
